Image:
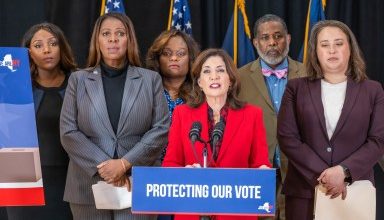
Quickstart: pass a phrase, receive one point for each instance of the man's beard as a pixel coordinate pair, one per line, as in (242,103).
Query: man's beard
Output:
(272,60)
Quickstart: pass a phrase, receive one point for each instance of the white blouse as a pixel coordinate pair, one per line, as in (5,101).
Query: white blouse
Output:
(332,96)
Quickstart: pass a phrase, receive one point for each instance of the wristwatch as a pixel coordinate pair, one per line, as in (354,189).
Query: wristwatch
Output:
(347,174)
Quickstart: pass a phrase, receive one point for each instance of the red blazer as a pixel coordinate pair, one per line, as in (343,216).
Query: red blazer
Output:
(357,142)
(244,142)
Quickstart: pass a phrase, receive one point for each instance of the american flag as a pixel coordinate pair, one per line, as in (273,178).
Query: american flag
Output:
(181,17)
(112,6)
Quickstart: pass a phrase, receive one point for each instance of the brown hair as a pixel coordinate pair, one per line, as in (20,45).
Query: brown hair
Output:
(94,56)
(356,65)
(197,96)
(154,53)
(67,61)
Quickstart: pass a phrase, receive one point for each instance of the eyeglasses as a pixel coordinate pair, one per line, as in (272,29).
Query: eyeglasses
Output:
(275,37)
(169,53)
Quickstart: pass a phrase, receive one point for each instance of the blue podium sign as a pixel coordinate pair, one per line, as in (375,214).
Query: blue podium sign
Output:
(204,191)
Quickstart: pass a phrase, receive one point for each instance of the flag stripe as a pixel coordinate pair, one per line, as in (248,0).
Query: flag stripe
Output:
(21,196)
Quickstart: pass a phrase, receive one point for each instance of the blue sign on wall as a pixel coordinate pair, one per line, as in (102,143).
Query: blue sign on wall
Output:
(204,191)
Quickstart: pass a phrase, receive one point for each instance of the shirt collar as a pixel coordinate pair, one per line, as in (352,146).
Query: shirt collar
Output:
(282,65)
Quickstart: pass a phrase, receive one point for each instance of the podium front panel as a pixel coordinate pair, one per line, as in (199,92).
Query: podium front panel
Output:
(204,191)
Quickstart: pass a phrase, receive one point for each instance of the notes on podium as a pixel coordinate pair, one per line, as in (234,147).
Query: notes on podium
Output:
(359,204)
(203,191)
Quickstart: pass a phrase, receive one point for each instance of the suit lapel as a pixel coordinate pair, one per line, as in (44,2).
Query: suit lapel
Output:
(293,70)
(259,82)
(95,90)
(234,120)
(132,86)
(314,88)
(350,98)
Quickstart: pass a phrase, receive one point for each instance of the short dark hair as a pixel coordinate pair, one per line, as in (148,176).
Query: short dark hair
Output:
(67,61)
(356,65)
(268,18)
(197,96)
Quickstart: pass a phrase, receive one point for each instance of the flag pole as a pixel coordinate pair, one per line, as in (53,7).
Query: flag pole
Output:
(102,10)
(170,15)
(306,32)
(235,18)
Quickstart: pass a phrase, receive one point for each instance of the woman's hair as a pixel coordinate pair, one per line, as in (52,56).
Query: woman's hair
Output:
(154,53)
(356,65)
(94,56)
(67,61)
(197,96)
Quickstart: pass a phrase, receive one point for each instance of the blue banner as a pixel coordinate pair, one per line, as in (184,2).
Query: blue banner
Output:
(17,124)
(204,191)
(21,182)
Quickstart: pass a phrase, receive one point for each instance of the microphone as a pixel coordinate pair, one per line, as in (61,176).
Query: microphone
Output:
(194,133)
(217,134)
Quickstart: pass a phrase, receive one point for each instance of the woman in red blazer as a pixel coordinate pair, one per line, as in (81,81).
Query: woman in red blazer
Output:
(331,124)
(214,99)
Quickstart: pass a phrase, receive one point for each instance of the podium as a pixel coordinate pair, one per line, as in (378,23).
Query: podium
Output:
(208,191)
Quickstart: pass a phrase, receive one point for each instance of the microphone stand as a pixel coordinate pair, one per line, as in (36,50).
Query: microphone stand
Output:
(205,165)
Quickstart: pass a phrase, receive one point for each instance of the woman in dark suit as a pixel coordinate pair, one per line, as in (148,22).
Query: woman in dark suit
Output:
(51,61)
(114,117)
(331,124)
(214,99)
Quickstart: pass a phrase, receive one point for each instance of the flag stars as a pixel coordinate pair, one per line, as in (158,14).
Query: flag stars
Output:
(188,25)
(181,18)
(116,4)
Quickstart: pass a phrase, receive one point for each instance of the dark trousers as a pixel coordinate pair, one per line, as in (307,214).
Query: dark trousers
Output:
(3,213)
(298,208)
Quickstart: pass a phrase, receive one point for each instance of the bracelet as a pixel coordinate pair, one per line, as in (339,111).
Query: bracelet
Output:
(124,167)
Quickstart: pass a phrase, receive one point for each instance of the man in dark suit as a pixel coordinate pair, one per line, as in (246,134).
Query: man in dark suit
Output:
(263,83)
